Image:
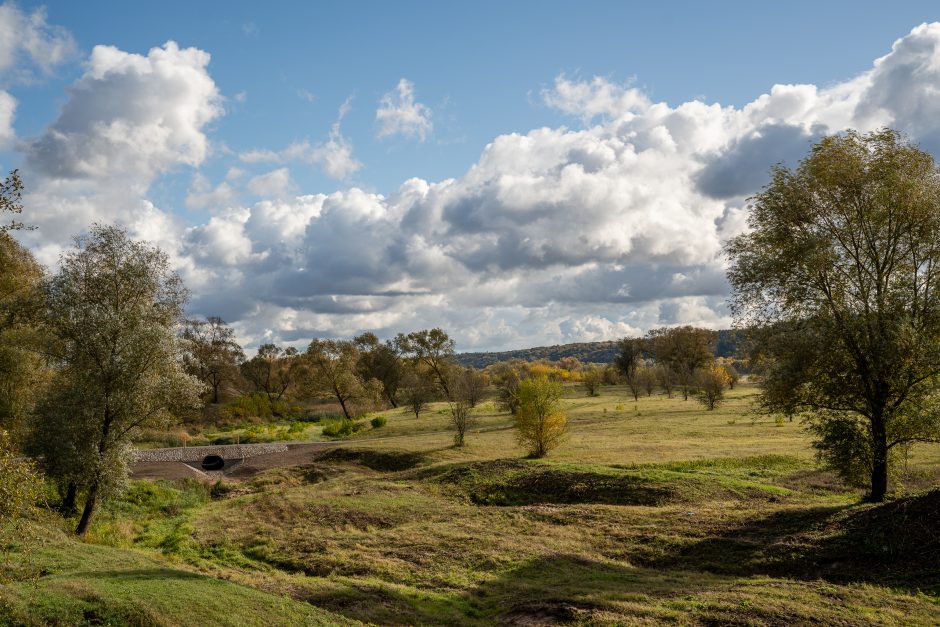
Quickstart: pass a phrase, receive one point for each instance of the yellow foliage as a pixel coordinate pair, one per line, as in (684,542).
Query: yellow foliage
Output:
(712,381)
(540,422)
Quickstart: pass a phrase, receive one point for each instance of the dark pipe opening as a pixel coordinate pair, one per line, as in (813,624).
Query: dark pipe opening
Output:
(213,462)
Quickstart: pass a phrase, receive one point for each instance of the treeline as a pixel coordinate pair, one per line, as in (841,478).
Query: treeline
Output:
(677,360)
(585,352)
(728,345)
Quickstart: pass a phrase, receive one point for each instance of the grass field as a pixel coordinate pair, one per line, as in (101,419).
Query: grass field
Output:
(651,512)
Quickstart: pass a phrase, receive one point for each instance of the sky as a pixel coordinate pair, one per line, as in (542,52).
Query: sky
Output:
(519,174)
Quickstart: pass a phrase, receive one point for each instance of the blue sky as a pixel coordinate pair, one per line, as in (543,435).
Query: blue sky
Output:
(288,107)
(479,66)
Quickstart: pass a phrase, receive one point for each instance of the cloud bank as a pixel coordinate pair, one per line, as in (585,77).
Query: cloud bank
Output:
(602,229)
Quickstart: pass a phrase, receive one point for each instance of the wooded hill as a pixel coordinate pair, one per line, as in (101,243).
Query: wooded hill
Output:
(586,352)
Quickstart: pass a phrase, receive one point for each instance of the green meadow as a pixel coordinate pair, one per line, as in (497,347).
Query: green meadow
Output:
(655,511)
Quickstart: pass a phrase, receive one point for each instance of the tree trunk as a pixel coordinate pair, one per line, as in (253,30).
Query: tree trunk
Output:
(89,510)
(342,403)
(879,468)
(68,501)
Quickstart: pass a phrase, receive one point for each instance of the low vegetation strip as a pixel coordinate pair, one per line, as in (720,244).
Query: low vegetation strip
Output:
(517,482)
(197,453)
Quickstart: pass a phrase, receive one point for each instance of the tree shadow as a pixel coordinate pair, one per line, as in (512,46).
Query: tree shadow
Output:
(895,544)
(139,574)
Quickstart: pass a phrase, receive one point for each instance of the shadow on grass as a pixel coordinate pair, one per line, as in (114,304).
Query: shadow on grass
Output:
(139,574)
(382,461)
(895,544)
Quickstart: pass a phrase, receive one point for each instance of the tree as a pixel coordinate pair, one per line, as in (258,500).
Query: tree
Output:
(647,378)
(683,350)
(11,195)
(540,422)
(507,377)
(711,382)
(22,370)
(110,317)
(473,385)
(416,391)
(20,485)
(460,408)
(630,355)
(838,277)
(332,373)
(211,353)
(733,375)
(611,374)
(666,378)
(628,363)
(592,378)
(381,362)
(434,349)
(273,371)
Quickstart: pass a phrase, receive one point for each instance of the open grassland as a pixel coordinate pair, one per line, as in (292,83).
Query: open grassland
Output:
(651,512)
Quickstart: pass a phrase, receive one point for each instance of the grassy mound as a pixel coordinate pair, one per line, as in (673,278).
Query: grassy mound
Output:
(519,482)
(83,584)
(896,543)
(382,461)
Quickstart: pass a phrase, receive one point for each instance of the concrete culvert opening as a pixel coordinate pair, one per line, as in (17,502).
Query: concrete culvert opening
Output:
(213,462)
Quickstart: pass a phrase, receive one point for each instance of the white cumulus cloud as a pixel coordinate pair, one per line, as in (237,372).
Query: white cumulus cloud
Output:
(399,114)
(603,229)
(127,120)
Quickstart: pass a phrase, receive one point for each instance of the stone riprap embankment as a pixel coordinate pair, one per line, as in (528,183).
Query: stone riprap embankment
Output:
(198,453)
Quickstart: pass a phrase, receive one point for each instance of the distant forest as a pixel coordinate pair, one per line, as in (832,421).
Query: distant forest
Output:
(585,352)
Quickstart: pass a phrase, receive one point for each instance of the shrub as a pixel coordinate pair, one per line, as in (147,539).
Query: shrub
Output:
(219,490)
(20,483)
(540,422)
(342,428)
(711,382)
(592,379)
(378,422)
(257,406)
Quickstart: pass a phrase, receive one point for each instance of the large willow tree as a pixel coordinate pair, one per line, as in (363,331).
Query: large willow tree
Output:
(839,277)
(111,315)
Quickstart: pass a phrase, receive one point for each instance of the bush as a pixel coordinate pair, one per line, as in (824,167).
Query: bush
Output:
(257,406)
(540,422)
(20,483)
(711,382)
(378,422)
(342,428)
(219,490)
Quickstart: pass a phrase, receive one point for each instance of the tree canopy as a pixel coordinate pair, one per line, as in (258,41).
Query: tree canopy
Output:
(110,318)
(211,353)
(838,276)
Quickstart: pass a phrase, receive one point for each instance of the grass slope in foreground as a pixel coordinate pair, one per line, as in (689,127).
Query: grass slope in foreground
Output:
(87,584)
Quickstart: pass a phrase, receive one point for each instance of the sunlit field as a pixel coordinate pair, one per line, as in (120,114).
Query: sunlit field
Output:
(651,511)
